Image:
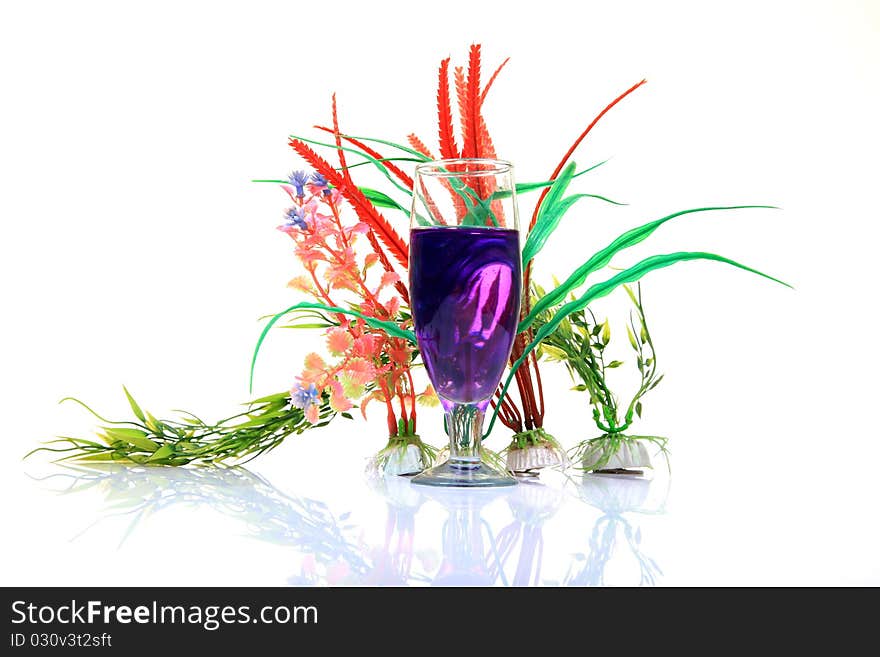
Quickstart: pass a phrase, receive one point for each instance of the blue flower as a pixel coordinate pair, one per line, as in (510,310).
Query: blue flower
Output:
(294,217)
(304,397)
(299,179)
(320,181)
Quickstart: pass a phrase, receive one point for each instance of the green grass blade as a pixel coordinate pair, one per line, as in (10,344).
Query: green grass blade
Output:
(390,328)
(163,452)
(133,437)
(603,257)
(134,406)
(557,191)
(400,147)
(381,200)
(90,410)
(549,222)
(599,290)
(522,188)
(381,159)
(549,209)
(306,326)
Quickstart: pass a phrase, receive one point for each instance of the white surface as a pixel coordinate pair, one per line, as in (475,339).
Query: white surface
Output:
(135,250)
(275,526)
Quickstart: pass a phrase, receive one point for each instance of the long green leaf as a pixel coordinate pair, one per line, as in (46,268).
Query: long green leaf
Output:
(549,209)
(522,188)
(134,406)
(162,453)
(557,189)
(603,257)
(405,149)
(542,230)
(390,328)
(599,290)
(90,410)
(133,436)
(381,159)
(305,326)
(381,200)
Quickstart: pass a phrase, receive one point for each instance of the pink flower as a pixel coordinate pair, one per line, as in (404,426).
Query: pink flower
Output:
(399,355)
(341,276)
(315,370)
(393,305)
(366,346)
(301,283)
(359,228)
(360,371)
(339,340)
(312,414)
(338,401)
(309,255)
(388,278)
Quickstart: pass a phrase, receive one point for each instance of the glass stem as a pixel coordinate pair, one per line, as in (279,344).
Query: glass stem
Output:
(464,422)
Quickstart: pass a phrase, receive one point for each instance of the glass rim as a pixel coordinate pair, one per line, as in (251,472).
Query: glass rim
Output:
(479,227)
(436,168)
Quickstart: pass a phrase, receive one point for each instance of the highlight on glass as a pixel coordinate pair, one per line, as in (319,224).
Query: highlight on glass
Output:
(465,287)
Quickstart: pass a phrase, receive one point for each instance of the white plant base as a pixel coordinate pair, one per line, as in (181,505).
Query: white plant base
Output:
(404,461)
(631,454)
(535,457)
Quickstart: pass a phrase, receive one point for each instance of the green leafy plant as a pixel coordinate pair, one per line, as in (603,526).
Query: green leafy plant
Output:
(148,440)
(552,314)
(580,343)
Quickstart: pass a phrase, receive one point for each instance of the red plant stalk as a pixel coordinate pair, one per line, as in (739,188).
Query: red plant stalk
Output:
(558,169)
(533,405)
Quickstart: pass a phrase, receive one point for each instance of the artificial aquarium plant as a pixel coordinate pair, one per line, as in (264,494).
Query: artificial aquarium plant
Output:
(581,344)
(355,260)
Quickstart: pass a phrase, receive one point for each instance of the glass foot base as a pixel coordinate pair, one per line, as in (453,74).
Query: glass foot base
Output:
(464,474)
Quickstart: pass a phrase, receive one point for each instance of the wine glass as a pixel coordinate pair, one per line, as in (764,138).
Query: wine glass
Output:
(465,276)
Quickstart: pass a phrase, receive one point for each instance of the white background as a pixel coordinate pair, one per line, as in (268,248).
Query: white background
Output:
(136,250)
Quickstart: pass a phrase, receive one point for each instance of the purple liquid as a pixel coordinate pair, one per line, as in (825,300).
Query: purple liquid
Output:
(465,285)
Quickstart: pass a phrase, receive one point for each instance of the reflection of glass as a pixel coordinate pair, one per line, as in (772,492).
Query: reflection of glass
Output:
(619,499)
(470,555)
(465,287)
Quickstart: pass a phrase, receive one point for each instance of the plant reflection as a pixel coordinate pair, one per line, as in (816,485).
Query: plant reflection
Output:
(532,505)
(269,514)
(334,550)
(621,500)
